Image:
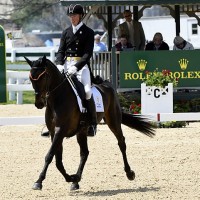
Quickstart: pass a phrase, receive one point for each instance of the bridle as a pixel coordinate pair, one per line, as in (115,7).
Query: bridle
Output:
(47,76)
(48,93)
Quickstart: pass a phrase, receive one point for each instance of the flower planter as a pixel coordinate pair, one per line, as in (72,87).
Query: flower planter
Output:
(156,99)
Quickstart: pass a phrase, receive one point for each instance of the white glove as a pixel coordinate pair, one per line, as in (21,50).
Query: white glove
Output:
(72,70)
(60,68)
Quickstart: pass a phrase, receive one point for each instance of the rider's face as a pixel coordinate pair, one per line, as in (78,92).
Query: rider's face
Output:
(75,19)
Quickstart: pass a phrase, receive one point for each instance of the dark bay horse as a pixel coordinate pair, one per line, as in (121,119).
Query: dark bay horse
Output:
(64,119)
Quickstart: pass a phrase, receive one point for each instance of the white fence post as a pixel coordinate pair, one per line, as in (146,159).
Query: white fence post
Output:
(52,55)
(13,55)
(11,95)
(19,93)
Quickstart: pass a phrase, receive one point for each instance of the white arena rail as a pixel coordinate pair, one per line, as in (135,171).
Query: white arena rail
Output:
(164,117)
(33,53)
(34,120)
(156,117)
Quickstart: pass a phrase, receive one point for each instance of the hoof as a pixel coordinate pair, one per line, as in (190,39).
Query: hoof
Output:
(45,134)
(75,178)
(37,186)
(74,186)
(130,175)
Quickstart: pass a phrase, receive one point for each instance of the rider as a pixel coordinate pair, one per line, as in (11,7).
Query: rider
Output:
(73,56)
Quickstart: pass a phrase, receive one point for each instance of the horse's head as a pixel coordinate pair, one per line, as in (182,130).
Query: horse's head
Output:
(38,77)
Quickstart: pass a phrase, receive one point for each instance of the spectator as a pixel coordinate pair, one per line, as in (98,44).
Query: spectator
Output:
(98,45)
(133,31)
(48,43)
(181,44)
(157,43)
(123,44)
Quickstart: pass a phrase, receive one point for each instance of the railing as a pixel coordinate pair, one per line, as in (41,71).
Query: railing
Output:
(100,61)
(33,53)
(18,80)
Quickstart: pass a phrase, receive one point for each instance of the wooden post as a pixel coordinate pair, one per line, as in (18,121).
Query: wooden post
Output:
(2,66)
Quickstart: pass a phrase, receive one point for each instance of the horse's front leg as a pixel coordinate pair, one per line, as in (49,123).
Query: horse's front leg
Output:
(56,142)
(60,166)
(82,141)
(48,158)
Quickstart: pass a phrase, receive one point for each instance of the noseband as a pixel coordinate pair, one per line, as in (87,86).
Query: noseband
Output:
(36,79)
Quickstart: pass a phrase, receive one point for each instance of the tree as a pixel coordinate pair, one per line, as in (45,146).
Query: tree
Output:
(45,15)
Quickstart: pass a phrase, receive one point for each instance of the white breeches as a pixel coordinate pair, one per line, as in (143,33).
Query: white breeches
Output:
(83,76)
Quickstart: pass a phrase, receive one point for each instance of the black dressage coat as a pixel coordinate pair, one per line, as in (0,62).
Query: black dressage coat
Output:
(80,44)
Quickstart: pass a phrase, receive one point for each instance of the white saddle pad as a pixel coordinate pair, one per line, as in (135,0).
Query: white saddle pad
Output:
(96,95)
(97,99)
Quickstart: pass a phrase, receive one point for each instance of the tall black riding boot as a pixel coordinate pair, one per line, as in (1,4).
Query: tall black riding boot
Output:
(91,112)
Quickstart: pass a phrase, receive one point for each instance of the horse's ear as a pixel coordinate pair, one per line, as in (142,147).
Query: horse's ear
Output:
(44,59)
(28,61)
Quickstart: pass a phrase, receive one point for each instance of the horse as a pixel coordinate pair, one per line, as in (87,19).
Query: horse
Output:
(64,119)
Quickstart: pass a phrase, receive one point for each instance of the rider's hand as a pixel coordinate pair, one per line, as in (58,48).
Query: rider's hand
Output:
(72,70)
(60,68)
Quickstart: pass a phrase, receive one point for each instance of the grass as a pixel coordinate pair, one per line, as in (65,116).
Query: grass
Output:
(17,62)
(28,98)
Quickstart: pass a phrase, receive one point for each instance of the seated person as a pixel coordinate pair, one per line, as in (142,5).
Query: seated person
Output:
(123,44)
(157,43)
(98,45)
(181,44)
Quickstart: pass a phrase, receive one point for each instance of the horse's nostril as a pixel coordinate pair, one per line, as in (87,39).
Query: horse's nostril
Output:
(39,105)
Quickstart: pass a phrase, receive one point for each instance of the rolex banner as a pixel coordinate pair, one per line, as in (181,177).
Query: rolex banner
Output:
(2,66)
(183,65)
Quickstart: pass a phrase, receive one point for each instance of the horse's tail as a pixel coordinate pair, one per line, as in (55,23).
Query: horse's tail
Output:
(140,123)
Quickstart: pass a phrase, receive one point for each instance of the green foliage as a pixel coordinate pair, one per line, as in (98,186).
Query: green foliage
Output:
(173,124)
(182,106)
(195,104)
(160,79)
(126,100)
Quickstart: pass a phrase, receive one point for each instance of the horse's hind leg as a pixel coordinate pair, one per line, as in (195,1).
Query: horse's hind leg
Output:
(114,123)
(82,141)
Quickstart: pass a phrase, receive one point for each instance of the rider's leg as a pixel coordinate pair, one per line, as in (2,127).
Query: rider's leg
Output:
(90,105)
(91,112)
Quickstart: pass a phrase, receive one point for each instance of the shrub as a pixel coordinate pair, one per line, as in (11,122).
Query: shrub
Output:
(160,79)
